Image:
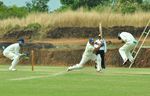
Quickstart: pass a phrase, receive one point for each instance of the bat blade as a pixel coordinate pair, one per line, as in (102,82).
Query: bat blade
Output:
(100,29)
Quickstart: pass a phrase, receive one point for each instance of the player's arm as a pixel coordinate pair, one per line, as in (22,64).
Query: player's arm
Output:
(17,50)
(105,45)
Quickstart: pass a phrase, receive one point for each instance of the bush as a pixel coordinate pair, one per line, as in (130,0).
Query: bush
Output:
(99,8)
(17,12)
(128,8)
(145,6)
(33,26)
(7,12)
(63,9)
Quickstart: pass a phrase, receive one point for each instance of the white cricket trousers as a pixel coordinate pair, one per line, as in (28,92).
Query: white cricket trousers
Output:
(125,51)
(13,57)
(85,59)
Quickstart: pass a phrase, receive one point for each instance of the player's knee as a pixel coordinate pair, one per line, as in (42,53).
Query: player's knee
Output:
(98,57)
(121,49)
(16,57)
(79,65)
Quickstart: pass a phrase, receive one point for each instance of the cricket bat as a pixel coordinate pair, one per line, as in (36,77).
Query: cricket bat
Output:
(100,29)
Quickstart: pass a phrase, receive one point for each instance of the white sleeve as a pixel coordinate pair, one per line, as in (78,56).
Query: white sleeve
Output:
(105,45)
(17,49)
(91,48)
(96,45)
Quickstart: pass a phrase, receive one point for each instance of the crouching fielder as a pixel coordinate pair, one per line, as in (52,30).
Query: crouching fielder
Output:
(125,50)
(12,52)
(89,54)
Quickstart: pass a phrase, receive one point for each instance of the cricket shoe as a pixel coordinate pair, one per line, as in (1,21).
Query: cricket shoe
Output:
(99,70)
(12,69)
(69,69)
(125,62)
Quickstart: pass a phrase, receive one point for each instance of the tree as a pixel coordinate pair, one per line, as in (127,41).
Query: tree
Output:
(75,4)
(139,1)
(132,1)
(146,6)
(1,3)
(37,5)
(13,11)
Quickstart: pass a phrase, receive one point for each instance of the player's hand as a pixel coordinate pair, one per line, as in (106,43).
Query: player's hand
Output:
(122,41)
(24,55)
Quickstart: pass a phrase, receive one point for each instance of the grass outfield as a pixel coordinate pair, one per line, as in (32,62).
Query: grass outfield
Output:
(55,81)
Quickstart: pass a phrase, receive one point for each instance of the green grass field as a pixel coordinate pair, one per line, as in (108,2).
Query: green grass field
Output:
(55,81)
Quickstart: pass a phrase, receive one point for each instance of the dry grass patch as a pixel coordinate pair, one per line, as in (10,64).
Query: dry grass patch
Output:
(77,19)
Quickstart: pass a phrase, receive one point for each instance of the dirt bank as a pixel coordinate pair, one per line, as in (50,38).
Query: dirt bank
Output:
(84,32)
(69,57)
(71,32)
(50,51)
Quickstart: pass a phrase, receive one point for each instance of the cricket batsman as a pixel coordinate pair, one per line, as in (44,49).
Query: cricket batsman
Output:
(125,50)
(102,50)
(89,54)
(12,52)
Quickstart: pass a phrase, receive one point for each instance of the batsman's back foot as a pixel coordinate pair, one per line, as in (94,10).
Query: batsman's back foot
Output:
(125,62)
(12,69)
(69,69)
(99,70)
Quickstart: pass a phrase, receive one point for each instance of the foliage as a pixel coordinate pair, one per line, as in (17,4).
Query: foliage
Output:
(13,11)
(63,9)
(146,6)
(131,1)
(1,3)
(75,4)
(128,8)
(34,26)
(124,6)
(139,1)
(37,5)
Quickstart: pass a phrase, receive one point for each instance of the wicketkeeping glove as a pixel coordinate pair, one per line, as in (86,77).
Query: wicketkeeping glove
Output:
(25,55)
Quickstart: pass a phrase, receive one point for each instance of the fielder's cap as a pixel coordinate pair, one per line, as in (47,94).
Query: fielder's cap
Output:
(91,40)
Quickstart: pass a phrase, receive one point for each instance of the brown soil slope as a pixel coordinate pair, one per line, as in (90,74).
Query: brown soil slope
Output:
(72,32)
(47,51)
(70,57)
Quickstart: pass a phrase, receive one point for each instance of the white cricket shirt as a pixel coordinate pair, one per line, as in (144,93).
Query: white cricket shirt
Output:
(14,48)
(100,42)
(127,37)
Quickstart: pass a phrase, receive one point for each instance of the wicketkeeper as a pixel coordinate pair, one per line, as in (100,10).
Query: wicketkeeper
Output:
(12,52)
(125,50)
(89,54)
